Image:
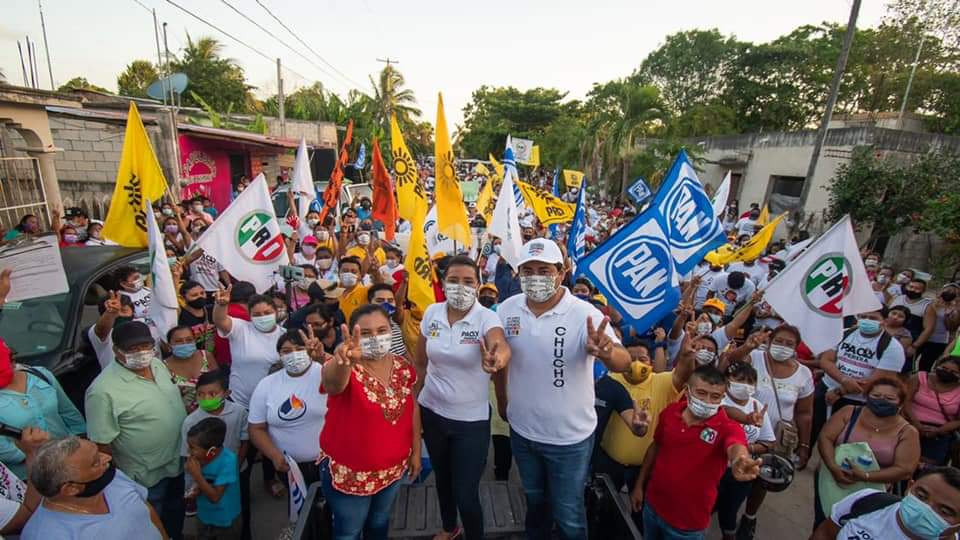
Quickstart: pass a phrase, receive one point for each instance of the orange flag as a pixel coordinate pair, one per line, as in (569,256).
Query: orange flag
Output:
(332,194)
(384,202)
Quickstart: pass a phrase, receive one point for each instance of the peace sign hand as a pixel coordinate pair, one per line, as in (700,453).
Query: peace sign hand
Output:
(745,468)
(222,296)
(348,352)
(756,417)
(598,342)
(112,303)
(641,417)
(491,364)
(312,343)
(757,339)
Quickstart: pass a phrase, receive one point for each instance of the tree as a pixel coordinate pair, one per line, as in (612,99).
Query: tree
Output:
(941,17)
(494,113)
(218,81)
(81,83)
(306,103)
(390,97)
(135,79)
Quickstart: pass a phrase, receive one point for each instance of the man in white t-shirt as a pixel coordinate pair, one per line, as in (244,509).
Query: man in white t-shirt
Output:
(708,274)
(131,286)
(115,309)
(554,338)
(753,269)
(733,288)
(931,510)
(748,225)
(207,271)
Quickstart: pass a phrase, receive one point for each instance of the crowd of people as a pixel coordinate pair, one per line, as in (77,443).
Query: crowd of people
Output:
(339,375)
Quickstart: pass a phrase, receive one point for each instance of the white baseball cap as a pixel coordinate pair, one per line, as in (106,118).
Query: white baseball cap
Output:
(541,250)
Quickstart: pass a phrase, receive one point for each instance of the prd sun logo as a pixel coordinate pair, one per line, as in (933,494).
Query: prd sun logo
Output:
(258,237)
(826,283)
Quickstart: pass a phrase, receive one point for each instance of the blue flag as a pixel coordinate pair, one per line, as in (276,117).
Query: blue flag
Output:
(510,167)
(577,235)
(690,224)
(555,229)
(634,270)
(361,157)
(639,191)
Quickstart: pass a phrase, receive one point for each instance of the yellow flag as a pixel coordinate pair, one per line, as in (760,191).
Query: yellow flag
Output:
(749,251)
(549,209)
(487,200)
(417,263)
(140,181)
(451,213)
(572,179)
(534,157)
(764,216)
(497,166)
(411,197)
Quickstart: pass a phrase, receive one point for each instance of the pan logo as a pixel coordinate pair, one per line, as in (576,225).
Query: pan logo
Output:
(638,270)
(689,213)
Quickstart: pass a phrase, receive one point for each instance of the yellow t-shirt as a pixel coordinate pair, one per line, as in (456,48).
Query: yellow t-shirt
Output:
(352,300)
(618,441)
(361,253)
(410,328)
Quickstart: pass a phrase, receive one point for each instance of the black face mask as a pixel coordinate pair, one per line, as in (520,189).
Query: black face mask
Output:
(881,407)
(913,295)
(946,376)
(93,487)
(197,303)
(119,321)
(487,301)
(948,296)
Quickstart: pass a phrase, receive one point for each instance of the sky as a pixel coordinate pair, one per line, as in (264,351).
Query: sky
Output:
(449,46)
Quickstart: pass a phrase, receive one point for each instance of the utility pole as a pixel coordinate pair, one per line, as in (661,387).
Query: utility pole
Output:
(831,100)
(156,37)
(166,50)
(388,106)
(46,46)
(283,116)
(23,65)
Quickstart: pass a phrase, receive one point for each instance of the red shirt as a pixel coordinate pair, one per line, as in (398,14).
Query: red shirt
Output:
(690,462)
(368,431)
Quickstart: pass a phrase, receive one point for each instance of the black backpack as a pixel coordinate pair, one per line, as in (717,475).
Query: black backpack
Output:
(868,505)
(885,340)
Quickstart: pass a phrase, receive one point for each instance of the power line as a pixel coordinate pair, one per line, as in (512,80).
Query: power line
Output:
(304,43)
(143,6)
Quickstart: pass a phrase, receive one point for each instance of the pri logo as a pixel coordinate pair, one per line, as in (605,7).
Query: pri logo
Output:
(689,212)
(637,270)
(292,408)
(258,237)
(826,283)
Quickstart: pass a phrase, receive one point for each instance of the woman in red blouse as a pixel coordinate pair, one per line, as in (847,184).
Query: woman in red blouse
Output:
(371,433)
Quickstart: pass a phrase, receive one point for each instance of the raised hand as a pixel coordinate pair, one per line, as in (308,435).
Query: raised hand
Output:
(659,334)
(489,356)
(756,417)
(641,417)
(599,343)
(112,305)
(222,296)
(757,339)
(312,343)
(745,468)
(348,352)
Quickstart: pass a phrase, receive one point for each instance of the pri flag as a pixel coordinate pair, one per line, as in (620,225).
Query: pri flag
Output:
(572,179)
(634,270)
(163,307)
(522,149)
(639,191)
(384,203)
(139,182)
(411,199)
(302,184)
(831,282)
(505,222)
(721,196)
(298,488)
(691,226)
(451,214)
(246,237)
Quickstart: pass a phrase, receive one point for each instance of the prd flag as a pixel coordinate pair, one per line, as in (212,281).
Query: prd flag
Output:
(163,307)
(139,182)
(246,237)
(451,213)
(548,209)
(302,184)
(417,262)
(721,196)
(384,202)
(572,179)
(691,226)
(411,198)
(831,282)
(534,160)
(749,251)
(634,270)
(505,222)
(486,200)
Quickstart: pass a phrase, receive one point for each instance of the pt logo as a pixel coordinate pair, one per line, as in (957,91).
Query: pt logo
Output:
(258,237)
(826,283)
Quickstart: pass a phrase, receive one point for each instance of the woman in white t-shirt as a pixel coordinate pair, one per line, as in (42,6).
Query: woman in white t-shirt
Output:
(461,344)
(287,408)
(791,401)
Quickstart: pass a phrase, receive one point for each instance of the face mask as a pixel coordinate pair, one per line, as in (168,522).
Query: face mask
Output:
(348,279)
(881,407)
(71,238)
(211,404)
(313,222)
(391,263)
(322,236)
(305,282)
(946,376)
(389,308)
(704,356)
(922,520)
(704,328)
(903,279)
(363,239)
(487,301)
(264,323)
(883,279)
(871,263)
(184,350)
(781,353)
(197,303)
(375,347)
(701,409)
(639,372)
(167,211)
(95,235)
(136,285)
(913,295)
(324,264)
(308,250)
(948,296)
(296,362)
(170,229)
(868,327)
(94,487)
(138,360)
(496,249)
(715,318)
(741,391)
(460,297)
(538,288)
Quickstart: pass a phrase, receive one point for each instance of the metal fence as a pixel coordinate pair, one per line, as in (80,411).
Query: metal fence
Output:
(21,191)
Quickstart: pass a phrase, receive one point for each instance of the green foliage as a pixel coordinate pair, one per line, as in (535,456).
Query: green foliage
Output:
(135,79)
(81,83)
(219,81)
(494,113)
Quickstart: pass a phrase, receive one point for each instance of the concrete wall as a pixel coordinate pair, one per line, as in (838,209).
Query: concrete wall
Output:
(316,133)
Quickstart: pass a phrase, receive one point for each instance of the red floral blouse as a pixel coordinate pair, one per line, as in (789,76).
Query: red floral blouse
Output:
(367,435)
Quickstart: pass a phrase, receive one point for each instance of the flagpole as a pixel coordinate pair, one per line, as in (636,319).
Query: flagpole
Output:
(846,217)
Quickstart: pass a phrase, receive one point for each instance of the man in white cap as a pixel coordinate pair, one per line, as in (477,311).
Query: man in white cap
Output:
(555,338)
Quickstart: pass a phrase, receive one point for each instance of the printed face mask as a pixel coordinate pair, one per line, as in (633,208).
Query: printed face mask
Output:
(348,279)
(701,409)
(704,328)
(781,353)
(538,288)
(460,297)
(704,356)
(138,360)
(363,239)
(375,346)
(295,362)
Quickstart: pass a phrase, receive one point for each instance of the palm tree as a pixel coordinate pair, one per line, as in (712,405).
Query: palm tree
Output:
(205,48)
(390,97)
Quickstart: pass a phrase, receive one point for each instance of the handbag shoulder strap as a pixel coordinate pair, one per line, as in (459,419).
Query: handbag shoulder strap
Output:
(773,383)
(854,416)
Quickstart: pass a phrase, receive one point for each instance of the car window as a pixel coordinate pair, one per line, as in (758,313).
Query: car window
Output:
(36,326)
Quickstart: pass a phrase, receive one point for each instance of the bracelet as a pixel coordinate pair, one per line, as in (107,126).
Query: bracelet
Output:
(804,445)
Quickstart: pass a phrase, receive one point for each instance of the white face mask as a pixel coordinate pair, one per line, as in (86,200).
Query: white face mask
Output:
(313,222)
(392,263)
(704,357)
(460,297)
(882,279)
(324,264)
(376,346)
(138,360)
(348,279)
(701,409)
(538,288)
(308,250)
(296,362)
(305,283)
(322,236)
(781,353)
(715,318)
(137,285)
(741,391)
(363,239)
(704,328)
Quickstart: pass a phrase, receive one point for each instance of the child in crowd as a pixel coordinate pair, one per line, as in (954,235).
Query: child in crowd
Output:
(214,469)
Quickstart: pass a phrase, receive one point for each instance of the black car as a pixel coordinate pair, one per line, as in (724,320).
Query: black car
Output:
(51,331)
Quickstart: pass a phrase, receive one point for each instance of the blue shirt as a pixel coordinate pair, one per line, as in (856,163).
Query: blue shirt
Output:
(127,517)
(222,471)
(43,405)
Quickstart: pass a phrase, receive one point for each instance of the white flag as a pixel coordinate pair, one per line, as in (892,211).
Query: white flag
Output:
(246,237)
(298,489)
(162,310)
(505,223)
(721,195)
(302,183)
(824,284)
(522,149)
